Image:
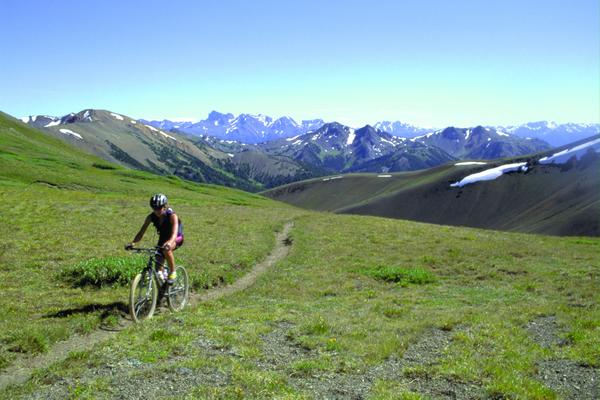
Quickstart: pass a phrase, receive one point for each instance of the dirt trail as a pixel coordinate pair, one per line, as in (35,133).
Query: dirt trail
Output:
(22,368)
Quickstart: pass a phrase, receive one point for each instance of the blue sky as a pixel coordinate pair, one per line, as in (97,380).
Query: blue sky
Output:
(430,63)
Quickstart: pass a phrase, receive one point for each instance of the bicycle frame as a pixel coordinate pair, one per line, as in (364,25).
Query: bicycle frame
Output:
(153,265)
(149,287)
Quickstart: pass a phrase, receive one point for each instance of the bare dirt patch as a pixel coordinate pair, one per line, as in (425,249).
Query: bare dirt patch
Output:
(568,378)
(280,351)
(545,331)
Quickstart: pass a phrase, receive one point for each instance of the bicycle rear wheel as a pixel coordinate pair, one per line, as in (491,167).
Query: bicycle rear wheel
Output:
(178,292)
(142,296)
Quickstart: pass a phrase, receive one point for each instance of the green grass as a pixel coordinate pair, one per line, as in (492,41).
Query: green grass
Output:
(401,275)
(354,292)
(102,271)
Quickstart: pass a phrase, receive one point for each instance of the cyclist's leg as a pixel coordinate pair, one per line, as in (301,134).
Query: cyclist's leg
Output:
(169,254)
(160,260)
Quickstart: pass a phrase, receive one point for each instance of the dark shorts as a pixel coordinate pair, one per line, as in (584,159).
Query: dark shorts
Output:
(178,242)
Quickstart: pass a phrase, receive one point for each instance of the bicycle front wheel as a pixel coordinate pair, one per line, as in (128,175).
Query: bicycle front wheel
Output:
(178,292)
(142,296)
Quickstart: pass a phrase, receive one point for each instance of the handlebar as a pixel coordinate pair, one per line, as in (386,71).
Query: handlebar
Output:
(142,249)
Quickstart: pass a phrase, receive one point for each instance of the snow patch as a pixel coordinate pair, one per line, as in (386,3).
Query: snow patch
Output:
(387,141)
(167,136)
(384,176)
(563,156)
(151,128)
(502,133)
(491,174)
(133,122)
(230,155)
(332,177)
(53,123)
(471,163)
(70,132)
(117,116)
(293,138)
(427,135)
(351,137)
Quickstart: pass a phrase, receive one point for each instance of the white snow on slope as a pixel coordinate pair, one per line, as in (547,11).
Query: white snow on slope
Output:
(293,138)
(351,137)
(387,141)
(167,136)
(151,128)
(384,176)
(471,163)
(117,116)
(25,119)
(427,135)
(490,174)
(563,156)
(53,123)
(467,134)
(333,177)
(70,132)
(133,122)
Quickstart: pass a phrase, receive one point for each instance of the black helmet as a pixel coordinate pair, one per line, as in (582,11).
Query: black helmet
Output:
(158,201)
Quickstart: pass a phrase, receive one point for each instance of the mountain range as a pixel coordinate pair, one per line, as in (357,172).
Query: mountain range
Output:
(315,150)
(245,128)
(481,143)
(553,133)
(254,129)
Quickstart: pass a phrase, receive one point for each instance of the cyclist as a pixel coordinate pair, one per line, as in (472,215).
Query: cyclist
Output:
(169,229)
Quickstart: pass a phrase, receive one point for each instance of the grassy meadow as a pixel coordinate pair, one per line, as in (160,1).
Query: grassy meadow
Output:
(362,307)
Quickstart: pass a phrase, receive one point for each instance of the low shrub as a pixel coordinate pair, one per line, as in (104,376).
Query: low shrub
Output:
(29,342)
(103,271)
(416,275)
(103,166)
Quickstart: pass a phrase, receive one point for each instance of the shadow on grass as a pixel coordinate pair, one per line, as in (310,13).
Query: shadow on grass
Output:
(115,308)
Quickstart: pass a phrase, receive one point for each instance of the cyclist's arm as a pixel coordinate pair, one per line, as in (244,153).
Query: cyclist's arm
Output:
(175,225)
(140,234)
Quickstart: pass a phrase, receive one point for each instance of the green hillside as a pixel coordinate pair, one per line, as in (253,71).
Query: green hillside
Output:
(125,141)
(362,307)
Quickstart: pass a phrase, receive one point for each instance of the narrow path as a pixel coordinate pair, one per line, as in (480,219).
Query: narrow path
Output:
(22,368)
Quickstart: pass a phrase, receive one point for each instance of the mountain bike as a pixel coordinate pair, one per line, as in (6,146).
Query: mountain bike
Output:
(148,288)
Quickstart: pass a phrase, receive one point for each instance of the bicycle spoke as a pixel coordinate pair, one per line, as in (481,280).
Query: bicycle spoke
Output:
(139,306)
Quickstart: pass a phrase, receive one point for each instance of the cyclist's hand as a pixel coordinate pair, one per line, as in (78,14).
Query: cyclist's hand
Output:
(168,246)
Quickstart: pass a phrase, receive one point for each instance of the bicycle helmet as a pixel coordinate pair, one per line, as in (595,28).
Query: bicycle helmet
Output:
(158,200)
